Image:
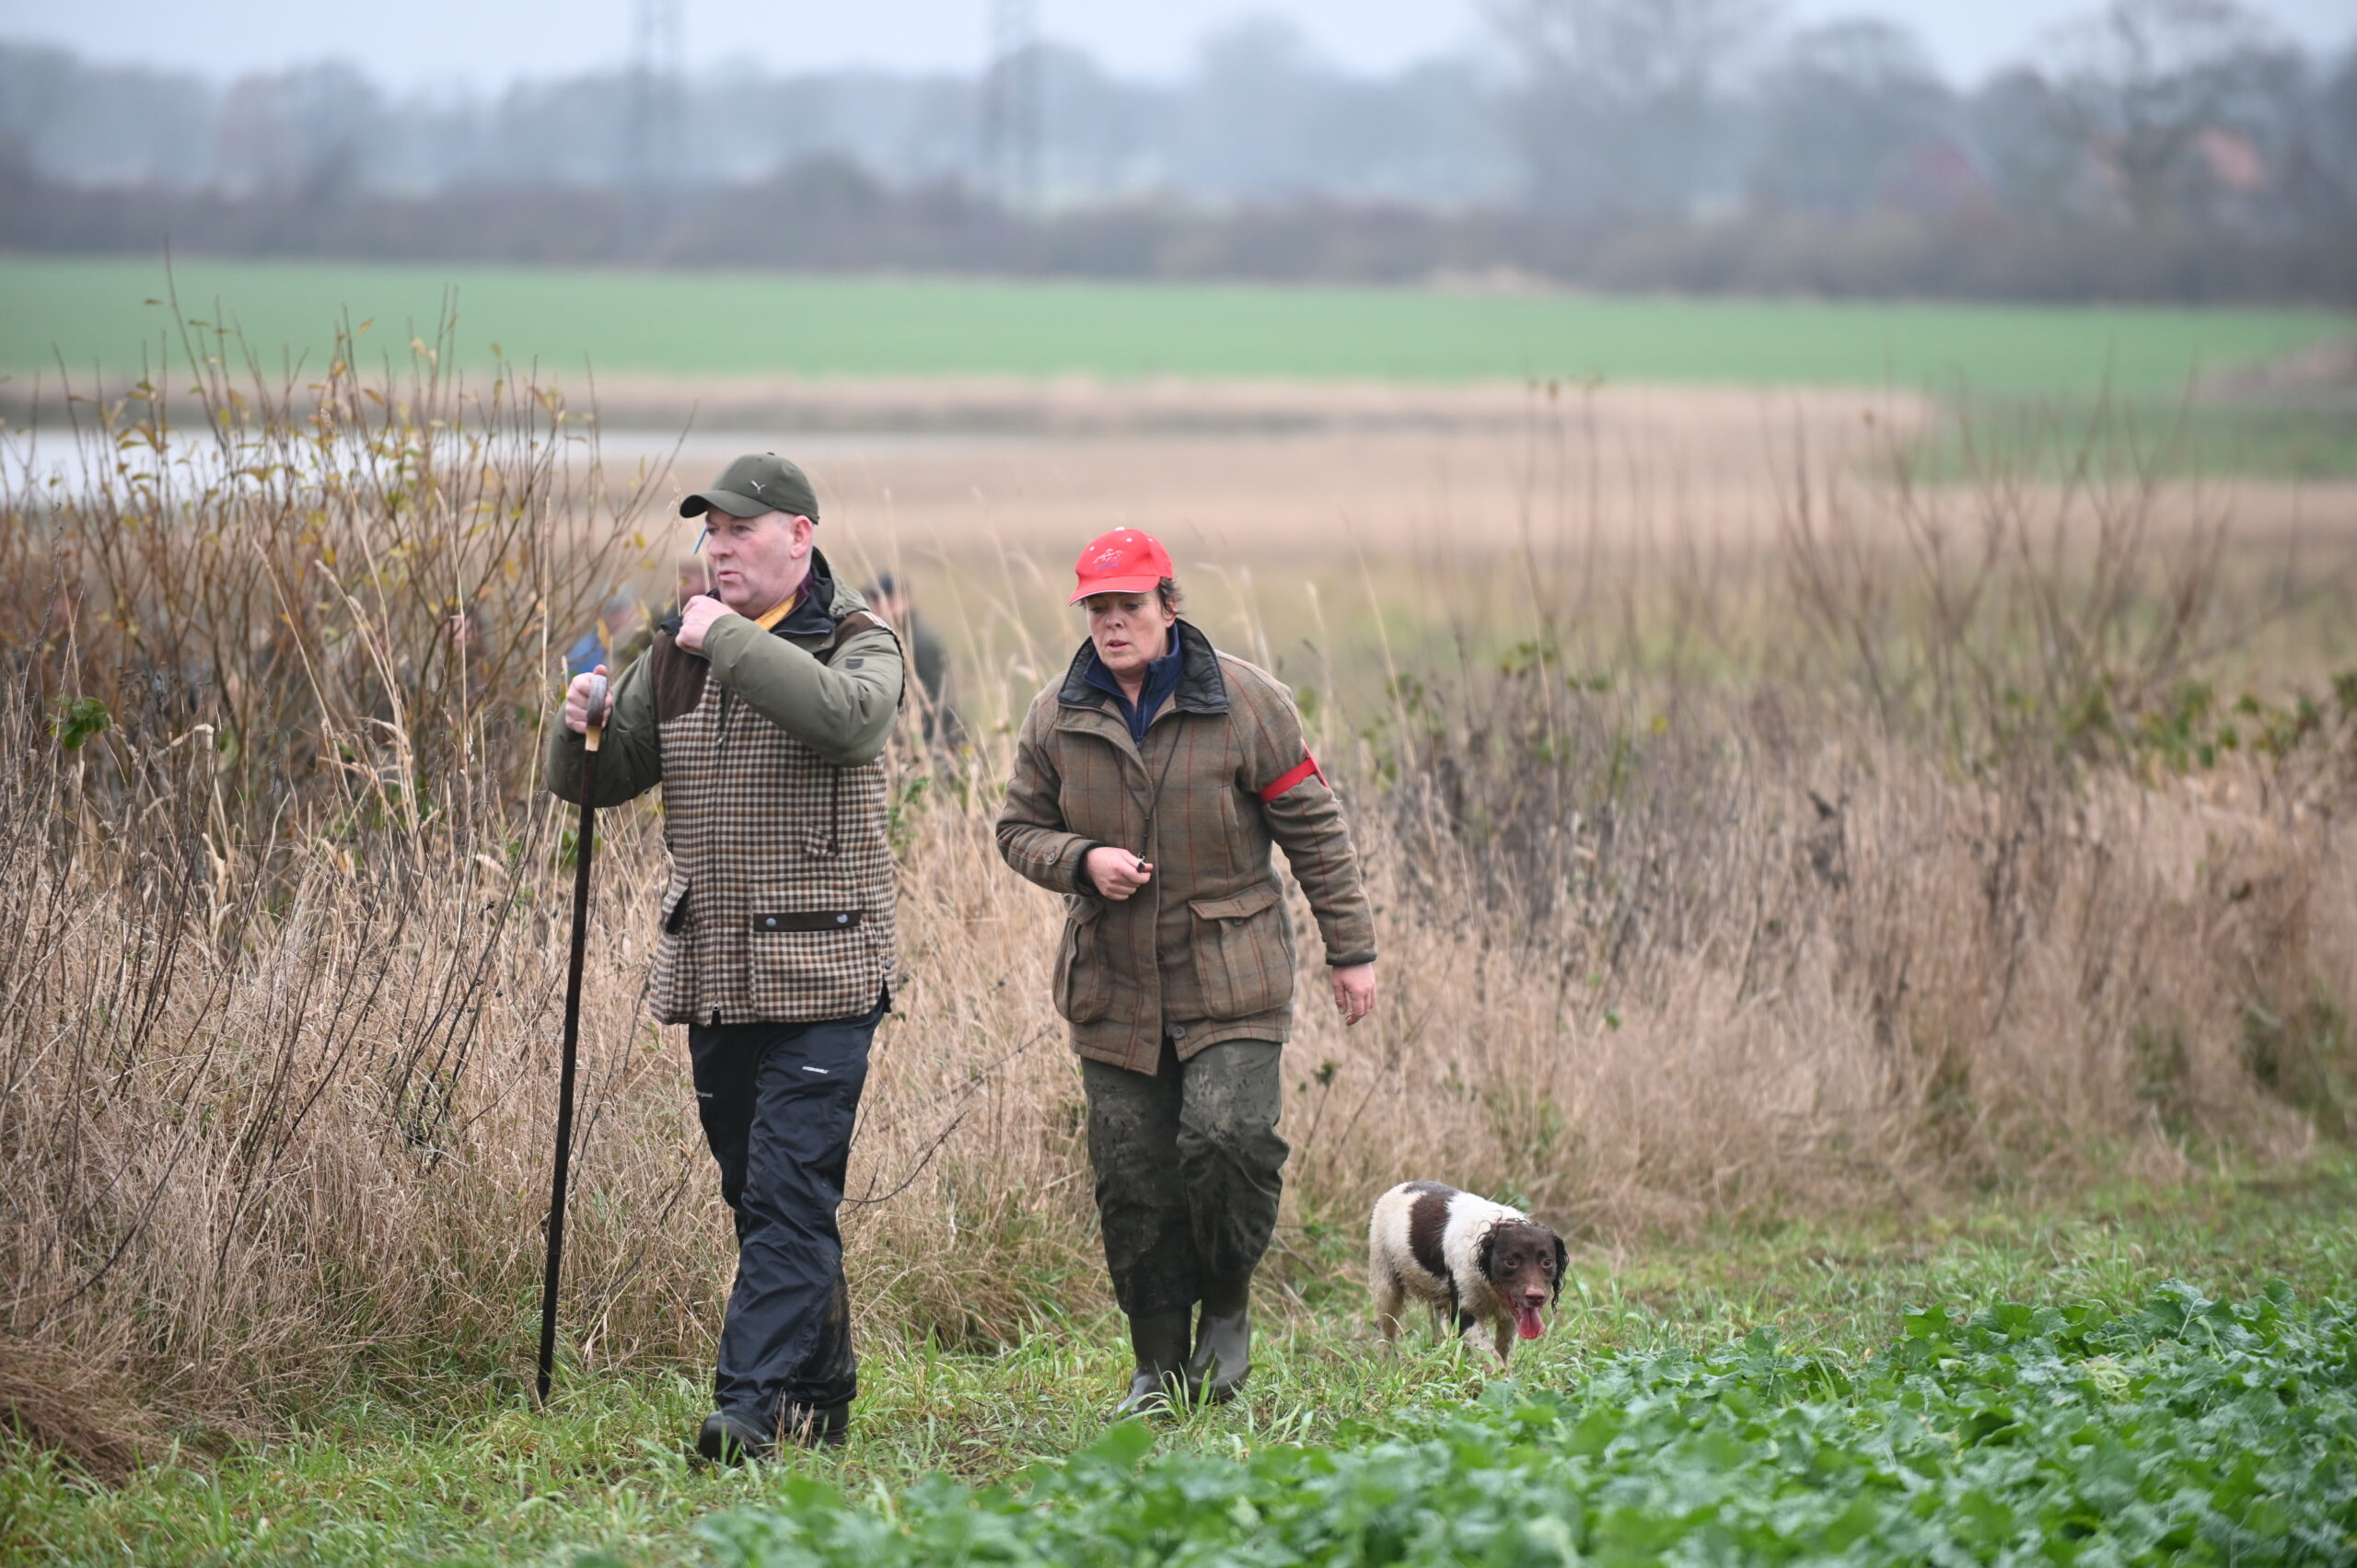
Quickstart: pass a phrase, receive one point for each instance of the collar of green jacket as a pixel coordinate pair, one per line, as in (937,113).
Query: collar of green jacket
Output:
(823,602)
(1202,689)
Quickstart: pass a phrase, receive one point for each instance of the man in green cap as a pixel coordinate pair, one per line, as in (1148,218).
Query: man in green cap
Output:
(762,709)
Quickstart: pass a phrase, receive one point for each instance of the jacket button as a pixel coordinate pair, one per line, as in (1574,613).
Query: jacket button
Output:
(771,924)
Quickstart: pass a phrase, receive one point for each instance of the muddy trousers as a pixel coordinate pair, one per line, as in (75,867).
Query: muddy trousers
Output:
(1188,1165)
(778,1102)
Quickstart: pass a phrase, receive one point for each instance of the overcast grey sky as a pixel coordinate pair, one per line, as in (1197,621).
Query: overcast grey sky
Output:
(488,41)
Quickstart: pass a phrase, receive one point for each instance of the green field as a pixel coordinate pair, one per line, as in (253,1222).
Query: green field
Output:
(1852,1393)
(93,313)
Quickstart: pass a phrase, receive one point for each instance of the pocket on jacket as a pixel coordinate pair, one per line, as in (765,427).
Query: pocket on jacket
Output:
(1083,982)
(675,906)
(810,963)
(671,988)
(1243,953)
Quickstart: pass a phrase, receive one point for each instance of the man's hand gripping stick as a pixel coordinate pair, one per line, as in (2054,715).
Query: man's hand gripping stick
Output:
(597,730)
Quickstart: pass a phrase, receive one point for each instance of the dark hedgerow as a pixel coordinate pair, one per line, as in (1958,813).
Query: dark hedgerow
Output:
(2190,1431)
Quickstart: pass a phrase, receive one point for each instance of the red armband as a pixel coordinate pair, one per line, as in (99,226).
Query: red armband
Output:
(1307,768)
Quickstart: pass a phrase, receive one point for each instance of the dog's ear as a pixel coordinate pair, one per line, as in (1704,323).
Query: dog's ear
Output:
(1486,1253)
(1563,1262)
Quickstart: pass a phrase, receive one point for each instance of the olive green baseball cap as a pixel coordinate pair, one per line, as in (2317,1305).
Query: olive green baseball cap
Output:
(755,483)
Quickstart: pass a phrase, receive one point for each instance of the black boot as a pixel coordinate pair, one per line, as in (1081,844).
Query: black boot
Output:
(724,1440)
(1160,1343)
(1224,1344)
(814,1426)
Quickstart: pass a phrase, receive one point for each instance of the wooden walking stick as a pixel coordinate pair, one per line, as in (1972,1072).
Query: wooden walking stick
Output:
(585,836)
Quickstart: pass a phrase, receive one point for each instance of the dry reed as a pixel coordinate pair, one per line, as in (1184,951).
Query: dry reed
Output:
(1915,888)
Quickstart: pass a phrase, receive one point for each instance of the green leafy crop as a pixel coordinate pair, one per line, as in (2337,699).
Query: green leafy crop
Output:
(2190,1431)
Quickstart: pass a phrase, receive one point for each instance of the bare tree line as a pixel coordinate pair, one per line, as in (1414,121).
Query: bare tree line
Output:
(1690,144)
(2143,109)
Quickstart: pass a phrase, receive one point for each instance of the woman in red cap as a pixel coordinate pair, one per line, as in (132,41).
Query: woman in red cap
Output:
(1149,784)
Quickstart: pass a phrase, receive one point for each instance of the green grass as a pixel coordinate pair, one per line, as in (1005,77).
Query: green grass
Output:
(476,1478)
(687,324)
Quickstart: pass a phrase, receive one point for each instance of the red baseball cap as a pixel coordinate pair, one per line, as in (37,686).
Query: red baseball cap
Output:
(1123,562)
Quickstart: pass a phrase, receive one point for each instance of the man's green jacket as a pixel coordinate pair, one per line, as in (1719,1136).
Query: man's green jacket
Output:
(843,710)
(768,743)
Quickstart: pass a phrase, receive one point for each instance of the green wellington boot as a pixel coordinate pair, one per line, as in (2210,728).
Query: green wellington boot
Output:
(1223,1343)
(1160,1343)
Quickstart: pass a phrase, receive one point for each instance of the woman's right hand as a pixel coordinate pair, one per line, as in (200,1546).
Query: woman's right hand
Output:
(1116,873)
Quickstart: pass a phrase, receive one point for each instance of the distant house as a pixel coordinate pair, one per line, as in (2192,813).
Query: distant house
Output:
(2217,175)
(2232,161)
(1938,177)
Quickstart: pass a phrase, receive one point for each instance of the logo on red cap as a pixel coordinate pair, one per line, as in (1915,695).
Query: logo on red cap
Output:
(1123,562)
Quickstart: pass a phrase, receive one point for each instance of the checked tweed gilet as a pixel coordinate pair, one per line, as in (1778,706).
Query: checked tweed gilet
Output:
(780,903)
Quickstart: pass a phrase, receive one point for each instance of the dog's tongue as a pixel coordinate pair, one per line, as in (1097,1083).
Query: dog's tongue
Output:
(1527,1323)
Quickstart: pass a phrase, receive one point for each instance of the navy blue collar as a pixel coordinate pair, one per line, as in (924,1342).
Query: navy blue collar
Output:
(1162,677)
(1202,689)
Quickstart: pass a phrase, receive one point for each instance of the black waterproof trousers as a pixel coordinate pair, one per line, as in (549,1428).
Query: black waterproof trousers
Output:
(778,1102)
(1188,1170)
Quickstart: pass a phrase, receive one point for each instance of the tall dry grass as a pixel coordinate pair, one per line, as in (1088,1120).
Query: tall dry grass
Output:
(1913,856)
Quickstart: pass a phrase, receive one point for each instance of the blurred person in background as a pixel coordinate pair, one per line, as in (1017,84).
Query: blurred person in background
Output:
(615,638)
(457,684)
(1150,780)
(928,655)
(462,623)
(762,709)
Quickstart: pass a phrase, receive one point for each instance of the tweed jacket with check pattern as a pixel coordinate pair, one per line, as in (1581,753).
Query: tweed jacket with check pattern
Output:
(1205,949)
(781,901)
